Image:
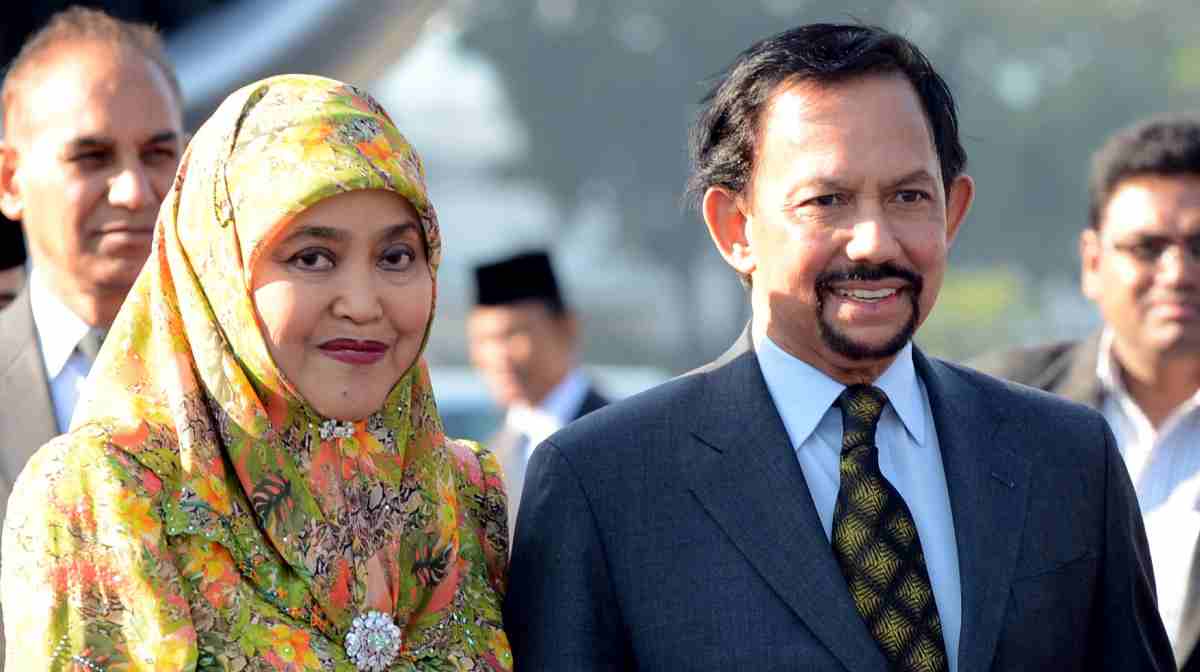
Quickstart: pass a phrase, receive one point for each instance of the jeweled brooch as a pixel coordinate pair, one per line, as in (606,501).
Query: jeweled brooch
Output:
(373,641)
(334,428)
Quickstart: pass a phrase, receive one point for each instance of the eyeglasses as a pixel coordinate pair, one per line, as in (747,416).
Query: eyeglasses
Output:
(1149,249)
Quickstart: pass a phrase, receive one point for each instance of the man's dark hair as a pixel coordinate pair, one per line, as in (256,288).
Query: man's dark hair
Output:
(725,133)
(1168,146)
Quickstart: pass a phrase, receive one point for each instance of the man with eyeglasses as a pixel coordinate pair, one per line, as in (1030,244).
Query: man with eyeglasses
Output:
(1141,265)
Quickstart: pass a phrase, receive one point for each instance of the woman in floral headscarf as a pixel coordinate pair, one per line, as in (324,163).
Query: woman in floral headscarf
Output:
(258,479)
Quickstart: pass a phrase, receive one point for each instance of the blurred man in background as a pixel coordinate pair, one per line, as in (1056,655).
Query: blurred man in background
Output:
(93,133)
(1141,265)
(525,342)
(12,261)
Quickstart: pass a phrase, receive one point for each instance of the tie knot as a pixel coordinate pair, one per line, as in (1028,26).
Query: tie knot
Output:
(861,405)
(90,344)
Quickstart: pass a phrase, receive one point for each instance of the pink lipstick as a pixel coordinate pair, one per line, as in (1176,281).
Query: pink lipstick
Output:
(353,351)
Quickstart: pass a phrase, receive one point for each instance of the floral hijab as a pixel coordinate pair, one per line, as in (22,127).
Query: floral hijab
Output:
(260,527)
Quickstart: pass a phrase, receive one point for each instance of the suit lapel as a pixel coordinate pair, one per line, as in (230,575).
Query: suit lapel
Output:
(989,487)
(1189,626)
(746,476)
(592,401)
(26,411)
(1080,383)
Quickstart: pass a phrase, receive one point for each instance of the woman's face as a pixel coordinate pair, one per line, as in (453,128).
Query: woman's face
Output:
(343,299)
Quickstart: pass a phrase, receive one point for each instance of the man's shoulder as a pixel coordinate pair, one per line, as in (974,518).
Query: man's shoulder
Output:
(18,335)
(1025,364)
(649,417)
(1007,390)
(1051,421)
(1064,367)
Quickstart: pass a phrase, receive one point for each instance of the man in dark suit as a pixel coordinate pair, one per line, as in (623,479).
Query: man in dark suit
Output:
(824,496)
(1141,265)
(525,342)
(93,132)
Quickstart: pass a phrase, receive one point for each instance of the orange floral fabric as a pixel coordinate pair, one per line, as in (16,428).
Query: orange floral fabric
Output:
(200,514)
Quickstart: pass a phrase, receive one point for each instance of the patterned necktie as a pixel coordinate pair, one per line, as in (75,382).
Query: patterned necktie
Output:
(89,345)
(876,544)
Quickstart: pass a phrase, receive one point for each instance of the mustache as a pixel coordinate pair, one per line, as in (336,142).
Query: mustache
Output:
(870,272)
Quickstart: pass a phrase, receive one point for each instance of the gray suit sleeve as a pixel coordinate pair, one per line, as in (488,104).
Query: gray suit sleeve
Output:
(1127,633)
(561,611)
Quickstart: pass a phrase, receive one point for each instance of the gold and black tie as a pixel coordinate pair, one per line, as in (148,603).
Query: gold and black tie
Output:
(876,544)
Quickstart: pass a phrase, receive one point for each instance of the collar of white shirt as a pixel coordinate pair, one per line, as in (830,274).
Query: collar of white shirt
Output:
(59,329)
(556,410)
(803,394)
(1109,375)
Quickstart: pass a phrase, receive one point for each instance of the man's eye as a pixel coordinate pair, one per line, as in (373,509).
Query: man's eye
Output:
(89,159)
(826,200)
(159,155)
(912,196)
(1147,249)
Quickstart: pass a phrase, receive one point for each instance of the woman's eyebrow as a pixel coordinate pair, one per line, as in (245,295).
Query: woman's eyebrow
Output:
(321,232)
(400,231)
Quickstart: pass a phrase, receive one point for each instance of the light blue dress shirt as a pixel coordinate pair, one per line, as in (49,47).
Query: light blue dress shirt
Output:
(909,457)
(59,330)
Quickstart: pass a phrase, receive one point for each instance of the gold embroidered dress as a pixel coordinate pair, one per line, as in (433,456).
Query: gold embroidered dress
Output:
(200,514)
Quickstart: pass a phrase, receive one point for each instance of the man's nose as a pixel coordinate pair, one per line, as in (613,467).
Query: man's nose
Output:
(130,188)
(1179,265)
(872,240)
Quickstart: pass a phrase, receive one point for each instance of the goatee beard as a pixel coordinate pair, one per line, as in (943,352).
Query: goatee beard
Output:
(841,342)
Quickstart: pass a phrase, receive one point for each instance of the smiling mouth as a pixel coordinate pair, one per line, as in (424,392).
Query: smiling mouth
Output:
(868,295)
(354,351)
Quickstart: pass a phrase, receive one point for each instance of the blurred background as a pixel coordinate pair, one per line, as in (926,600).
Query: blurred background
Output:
(563,123)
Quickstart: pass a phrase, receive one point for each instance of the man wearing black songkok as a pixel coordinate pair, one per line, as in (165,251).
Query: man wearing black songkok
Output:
(525,342)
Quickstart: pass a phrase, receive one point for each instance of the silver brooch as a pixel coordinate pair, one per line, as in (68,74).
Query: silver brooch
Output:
(333,428)
(373,641)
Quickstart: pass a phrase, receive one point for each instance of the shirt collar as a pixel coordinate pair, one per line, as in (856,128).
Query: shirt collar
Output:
(556,410)
(803,394)
(1109,374)
(1106,368)
(59,329)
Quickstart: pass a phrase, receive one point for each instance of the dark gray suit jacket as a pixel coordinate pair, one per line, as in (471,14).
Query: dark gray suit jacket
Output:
(1069,369)
(26,410)
(1066,368)
(674,531)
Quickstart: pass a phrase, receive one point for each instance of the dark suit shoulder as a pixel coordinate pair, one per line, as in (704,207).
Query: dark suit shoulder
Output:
(17,334)
(1029,365)
(1053,426)
(633,420)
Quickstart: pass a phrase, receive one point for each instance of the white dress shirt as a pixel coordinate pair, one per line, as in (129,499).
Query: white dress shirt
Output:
(556,410)
(909,457)
(1164,465)
(59,330)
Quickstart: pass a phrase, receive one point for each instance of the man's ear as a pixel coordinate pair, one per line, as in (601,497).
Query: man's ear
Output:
(958,204)
(11,203)
(728,224)
(1090,282)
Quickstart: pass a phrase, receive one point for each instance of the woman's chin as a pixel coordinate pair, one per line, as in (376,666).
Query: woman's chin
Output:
(346,410)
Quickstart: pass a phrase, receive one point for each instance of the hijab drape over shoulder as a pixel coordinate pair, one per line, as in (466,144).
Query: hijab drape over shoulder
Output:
(201,514)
